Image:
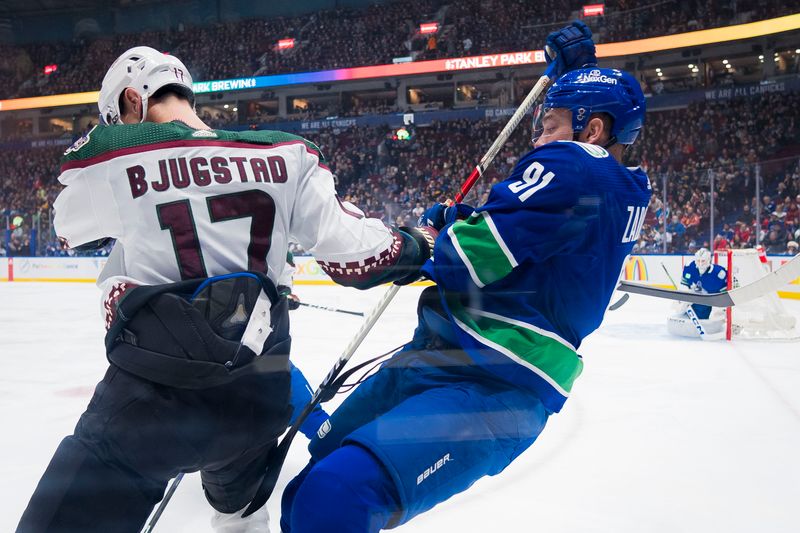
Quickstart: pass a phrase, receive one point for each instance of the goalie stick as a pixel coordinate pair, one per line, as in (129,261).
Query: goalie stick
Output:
(278,455)
(772,282)
(619,303)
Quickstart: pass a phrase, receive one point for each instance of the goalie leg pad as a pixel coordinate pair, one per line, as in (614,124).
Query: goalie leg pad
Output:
(682,326)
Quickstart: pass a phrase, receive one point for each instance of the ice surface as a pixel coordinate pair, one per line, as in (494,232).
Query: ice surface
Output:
(661,434)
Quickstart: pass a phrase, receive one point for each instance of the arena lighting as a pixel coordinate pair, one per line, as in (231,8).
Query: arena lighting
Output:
(761,57)
(658,69)
(49,69)
(724,61)
(428,27)
(594,10)
(226,106)
(691,66)
(627,48)
(285,44)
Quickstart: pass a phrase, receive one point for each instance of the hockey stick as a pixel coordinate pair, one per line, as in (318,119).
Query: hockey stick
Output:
(323,392)
(619,303)
(772,282)
(334,309)
(163,505)
(671,280)
(498,143)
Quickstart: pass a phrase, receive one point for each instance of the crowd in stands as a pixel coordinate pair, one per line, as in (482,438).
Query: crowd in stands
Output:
(723,141)
(474,27)
(28,188)
(373,35)
(726,141)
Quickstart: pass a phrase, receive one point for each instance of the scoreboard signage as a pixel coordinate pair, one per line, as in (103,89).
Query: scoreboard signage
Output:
(594,10)
(640,46)
(494,60)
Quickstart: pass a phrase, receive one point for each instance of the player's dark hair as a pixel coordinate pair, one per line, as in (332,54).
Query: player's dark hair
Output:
(181,92)
(177,90)
(608,120)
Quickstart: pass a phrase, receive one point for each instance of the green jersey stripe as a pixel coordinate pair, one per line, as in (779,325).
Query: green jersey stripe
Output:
(481,249)
(464,258)
(548,358)
(521,324)
(496,234)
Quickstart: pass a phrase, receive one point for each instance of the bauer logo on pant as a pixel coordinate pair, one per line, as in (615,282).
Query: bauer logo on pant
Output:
(431,469)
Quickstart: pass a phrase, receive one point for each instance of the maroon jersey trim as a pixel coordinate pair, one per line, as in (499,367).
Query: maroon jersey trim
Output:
(102,158)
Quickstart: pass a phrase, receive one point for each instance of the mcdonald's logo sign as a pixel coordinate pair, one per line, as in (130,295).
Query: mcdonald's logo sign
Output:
(635,269)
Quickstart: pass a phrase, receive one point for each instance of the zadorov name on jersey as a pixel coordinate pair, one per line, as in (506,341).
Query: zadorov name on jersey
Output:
(180,172)
(595,77)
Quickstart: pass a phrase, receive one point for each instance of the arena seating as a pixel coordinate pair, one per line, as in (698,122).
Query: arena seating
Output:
(375,35)
(395,180)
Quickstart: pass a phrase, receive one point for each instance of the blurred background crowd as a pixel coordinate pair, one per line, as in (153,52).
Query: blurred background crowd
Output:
(354,37)
(725,172)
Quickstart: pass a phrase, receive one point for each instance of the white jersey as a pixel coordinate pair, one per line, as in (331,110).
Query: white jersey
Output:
(184,203)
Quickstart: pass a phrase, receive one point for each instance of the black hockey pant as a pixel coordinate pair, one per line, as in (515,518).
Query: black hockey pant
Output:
(136,435)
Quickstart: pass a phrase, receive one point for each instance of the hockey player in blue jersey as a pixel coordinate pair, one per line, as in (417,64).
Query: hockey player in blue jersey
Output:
(702,276)
(520,281)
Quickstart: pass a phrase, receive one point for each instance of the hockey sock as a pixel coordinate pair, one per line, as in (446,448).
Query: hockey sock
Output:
(349,490)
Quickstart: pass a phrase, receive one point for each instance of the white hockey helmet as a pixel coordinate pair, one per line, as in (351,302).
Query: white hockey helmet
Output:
(146,70)
(702,260)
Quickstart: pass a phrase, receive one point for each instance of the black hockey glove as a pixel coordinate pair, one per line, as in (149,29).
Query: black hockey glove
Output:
(425,238)
(570,48)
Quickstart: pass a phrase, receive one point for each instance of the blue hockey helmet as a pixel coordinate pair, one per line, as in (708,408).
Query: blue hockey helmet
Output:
(598,90)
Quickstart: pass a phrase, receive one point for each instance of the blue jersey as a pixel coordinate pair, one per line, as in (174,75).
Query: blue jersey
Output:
(714,280)
(529,274)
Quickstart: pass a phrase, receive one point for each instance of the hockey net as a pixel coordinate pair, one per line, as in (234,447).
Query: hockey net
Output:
(762,318)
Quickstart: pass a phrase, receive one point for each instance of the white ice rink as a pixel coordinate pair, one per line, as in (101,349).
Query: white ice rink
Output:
(660,435)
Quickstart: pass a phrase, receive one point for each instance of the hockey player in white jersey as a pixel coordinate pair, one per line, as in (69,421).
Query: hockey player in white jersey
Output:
(199,373)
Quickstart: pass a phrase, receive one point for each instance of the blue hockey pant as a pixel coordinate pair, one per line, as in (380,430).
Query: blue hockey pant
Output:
(422,429)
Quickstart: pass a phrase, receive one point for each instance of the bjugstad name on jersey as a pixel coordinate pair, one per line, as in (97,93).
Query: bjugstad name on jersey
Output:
(180,172)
